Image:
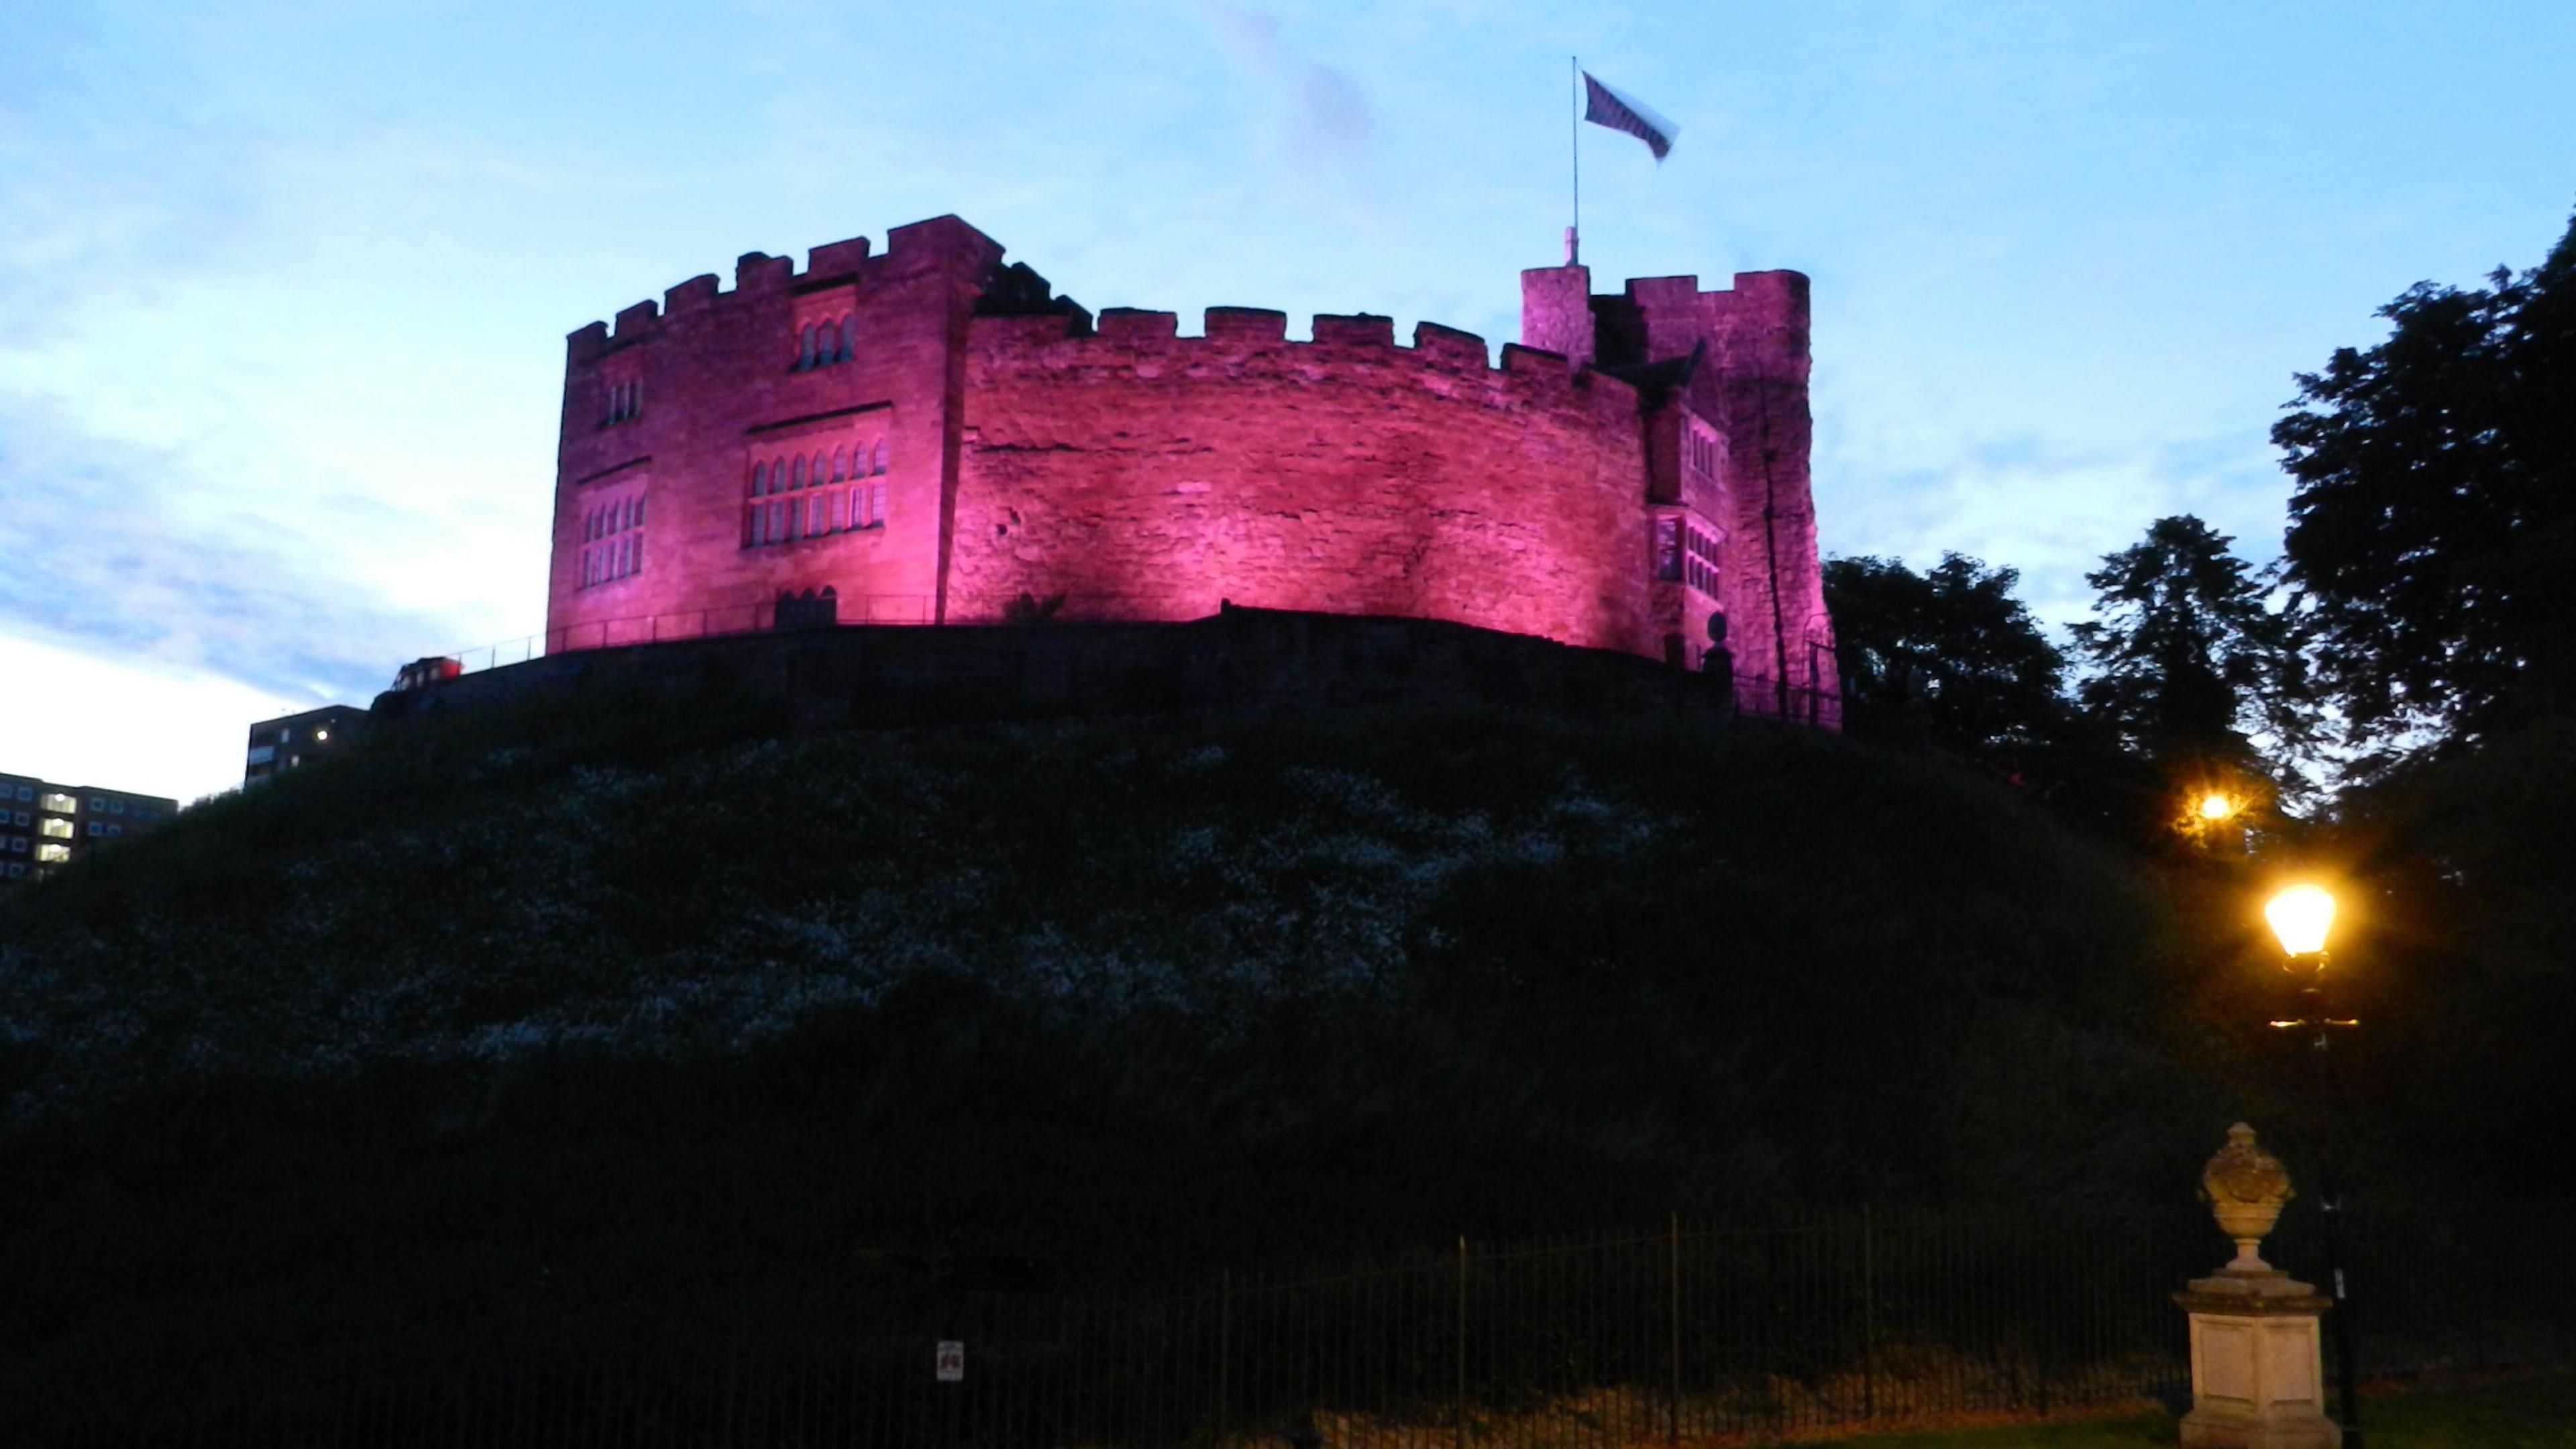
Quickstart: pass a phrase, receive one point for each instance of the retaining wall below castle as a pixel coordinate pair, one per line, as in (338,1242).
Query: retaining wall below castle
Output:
(1241,662)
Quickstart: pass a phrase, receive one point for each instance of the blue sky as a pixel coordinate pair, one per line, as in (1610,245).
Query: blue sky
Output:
(283,288)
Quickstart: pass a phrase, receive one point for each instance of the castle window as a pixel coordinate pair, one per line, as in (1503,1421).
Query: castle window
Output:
(805,348)
(849,340)
(616,531)
(796,474)
(822,469)
(840,464)
(1668,548)
(881,457)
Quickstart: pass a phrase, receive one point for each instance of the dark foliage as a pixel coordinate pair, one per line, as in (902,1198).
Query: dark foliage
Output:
(1948,656)
(2187,658)
(521,1026)
(2432,537)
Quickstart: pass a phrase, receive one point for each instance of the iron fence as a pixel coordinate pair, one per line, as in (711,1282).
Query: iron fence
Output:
(1698,1335)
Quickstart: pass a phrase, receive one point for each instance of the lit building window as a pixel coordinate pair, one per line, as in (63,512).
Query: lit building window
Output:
(56,828)
(60,804)
(53,854)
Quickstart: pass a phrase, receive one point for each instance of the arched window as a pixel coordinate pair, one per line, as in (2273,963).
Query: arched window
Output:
(796,477)
(805,348)
(840,464)
(849,341)
(759,479)
(881,457)
(822,468)
(639,510)
(829,348)
(777,521)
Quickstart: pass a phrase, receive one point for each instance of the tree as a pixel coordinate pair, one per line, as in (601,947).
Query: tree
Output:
(1949,656)
(2187,659)
(2432,541)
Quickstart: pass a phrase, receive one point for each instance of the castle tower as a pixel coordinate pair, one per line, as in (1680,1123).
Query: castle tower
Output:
(1556,311)
(1723,379)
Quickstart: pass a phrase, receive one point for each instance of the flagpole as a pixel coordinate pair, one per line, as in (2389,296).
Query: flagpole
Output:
(1574,145)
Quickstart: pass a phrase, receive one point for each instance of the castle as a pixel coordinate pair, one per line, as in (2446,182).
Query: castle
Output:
(931,436)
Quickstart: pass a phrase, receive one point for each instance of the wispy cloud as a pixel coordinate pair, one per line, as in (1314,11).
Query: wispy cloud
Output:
(108,549)
(1325,117)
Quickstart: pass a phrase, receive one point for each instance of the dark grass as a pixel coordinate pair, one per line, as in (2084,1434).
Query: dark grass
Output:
(2534,1413)
(1136,999)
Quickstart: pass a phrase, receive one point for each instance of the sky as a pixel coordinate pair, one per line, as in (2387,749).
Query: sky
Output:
(283,287)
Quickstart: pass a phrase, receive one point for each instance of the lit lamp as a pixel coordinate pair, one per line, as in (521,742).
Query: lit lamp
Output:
(2217,805)
(2301,917)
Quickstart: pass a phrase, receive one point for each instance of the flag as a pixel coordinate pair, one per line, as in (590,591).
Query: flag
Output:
(1606,107)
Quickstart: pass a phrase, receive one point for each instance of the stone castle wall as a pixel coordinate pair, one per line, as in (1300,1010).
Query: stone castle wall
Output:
(972,438)
(1148,475)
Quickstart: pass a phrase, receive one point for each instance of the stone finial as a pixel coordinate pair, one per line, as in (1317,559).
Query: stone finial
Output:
(2246,1187)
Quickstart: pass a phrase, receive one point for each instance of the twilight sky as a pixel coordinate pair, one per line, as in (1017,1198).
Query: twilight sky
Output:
(283,288)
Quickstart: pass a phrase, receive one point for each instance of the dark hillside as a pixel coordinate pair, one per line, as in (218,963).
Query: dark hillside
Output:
(610,1010)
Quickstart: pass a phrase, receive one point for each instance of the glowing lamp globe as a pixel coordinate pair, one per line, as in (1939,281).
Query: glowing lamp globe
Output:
(2216,806)
(2300,916)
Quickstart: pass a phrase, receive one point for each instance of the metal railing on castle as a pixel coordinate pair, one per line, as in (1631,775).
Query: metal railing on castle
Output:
(1814,700)
(1689,1334)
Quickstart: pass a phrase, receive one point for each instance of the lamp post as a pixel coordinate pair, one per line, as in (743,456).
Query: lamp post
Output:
(2301,917)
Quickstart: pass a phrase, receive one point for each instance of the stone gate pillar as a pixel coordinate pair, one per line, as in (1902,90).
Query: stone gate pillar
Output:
(2257,1371)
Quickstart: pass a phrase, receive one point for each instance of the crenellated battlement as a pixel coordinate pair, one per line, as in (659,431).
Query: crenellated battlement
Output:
(758,276)
(1357,347)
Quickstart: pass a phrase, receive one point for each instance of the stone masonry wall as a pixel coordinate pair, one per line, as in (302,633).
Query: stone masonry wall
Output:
(1146,475)
(720,388)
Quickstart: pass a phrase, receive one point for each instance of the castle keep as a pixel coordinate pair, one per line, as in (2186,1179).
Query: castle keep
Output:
(932,436)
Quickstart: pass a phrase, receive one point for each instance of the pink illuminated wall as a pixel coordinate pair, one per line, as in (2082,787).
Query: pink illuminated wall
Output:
(932,435)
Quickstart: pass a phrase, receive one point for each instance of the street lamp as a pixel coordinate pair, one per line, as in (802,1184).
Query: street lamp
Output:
(2215,806)
(2302,916)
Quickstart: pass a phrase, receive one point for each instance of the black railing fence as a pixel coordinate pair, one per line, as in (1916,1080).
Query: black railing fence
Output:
(1688,1335)
(1813,699)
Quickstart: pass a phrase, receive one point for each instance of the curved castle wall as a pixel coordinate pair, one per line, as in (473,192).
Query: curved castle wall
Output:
(1147,475)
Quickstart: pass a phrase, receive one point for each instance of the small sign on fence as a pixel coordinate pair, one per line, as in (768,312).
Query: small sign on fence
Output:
(952,1362)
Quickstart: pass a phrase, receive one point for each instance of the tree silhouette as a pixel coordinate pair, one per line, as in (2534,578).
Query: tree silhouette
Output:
(2187,660)
(2432,541)
(1947,656)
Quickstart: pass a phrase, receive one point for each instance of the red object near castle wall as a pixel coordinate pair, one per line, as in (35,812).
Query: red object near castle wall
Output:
(933,436)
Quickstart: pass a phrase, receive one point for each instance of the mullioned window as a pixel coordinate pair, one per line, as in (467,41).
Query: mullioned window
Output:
(612,534)
(792,496)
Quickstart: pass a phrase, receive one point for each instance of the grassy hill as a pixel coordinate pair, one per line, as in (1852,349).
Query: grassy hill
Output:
(627,1008)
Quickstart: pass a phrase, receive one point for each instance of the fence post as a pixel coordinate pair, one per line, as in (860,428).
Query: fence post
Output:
(1673,1282)
(1868,1315)
(1461,1404)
